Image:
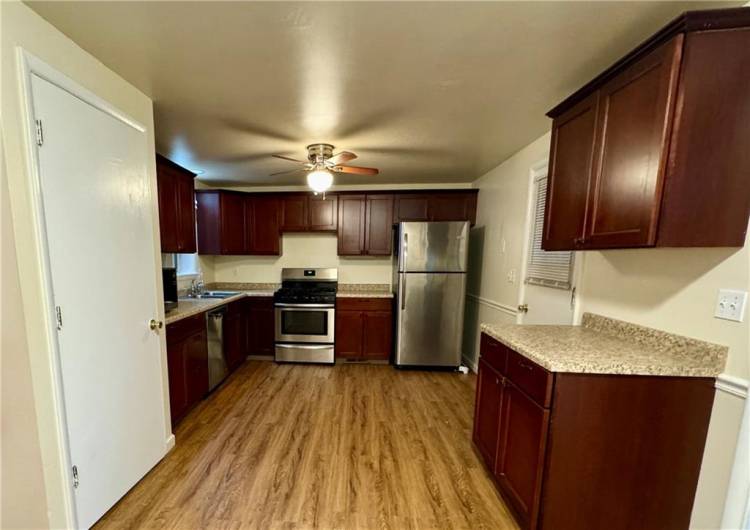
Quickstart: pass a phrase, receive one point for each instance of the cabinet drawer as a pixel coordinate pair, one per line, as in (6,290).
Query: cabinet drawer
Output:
(187,326)
(494,353)
(364,304)
(534,380)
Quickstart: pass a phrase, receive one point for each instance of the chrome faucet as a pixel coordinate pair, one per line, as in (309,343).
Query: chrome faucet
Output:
(196,287)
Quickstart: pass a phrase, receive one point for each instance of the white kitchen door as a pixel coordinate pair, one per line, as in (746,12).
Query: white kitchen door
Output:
(97,207)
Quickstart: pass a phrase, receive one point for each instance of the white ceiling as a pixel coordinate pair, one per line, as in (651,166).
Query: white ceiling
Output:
(427,92)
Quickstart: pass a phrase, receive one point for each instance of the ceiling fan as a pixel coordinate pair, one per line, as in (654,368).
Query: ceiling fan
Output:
(322,163)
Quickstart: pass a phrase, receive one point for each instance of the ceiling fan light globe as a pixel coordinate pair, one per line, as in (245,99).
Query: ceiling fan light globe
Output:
(319,180)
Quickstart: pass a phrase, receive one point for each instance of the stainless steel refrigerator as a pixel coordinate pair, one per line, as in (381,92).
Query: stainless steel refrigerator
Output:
(430,285)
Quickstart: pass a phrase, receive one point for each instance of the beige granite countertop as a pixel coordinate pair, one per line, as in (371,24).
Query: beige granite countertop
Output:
(187,307)
(604,345)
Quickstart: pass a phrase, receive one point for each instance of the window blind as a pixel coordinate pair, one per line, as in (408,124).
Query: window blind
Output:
(550,269)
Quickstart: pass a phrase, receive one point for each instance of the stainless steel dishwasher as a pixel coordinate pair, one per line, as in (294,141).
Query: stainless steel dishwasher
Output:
(217,362)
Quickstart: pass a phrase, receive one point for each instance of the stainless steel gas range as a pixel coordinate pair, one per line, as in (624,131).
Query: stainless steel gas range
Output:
(305,309)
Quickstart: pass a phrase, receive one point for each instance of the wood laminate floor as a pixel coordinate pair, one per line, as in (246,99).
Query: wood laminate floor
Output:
(301,446)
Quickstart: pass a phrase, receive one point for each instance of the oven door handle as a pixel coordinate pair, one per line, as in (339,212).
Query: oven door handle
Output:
(305,346)
(306,306)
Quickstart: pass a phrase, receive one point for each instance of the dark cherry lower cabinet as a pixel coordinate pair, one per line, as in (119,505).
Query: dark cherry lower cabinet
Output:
(364,328)
(187,363)
(259,314)
(571,451)
(235,334)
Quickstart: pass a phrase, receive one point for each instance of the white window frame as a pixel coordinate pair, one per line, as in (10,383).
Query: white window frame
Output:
(535,233)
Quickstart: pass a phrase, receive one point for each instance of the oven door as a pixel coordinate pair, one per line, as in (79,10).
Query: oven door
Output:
(312,323)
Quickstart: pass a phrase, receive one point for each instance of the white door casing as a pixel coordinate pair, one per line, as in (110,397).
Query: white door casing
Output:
(99,236)
(546,305)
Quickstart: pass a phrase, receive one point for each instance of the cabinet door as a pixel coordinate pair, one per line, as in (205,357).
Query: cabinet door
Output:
(234,335)
(294,216)
(520,454)
(167,186)
(351,229)
(349,332)
(635,116)
(186,219)
(232,221)
(196,367)
(260,326)
(449,207)
(177,371)
(411,207)
(323,213)
(487,408)
(379,225)
(263,229)
(376,338)
(570,168)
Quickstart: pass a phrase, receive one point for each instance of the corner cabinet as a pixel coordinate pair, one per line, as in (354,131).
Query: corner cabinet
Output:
(176,207)
(653,152)
(573,450)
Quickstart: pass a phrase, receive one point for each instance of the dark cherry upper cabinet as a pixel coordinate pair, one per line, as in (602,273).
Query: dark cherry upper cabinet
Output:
(322,213)
(262,229)
(436,206)
(378,225)
(635,119)
(294,213)
(571,160)
(412,207)
(365,225)
(653,152)
(305,212)
(351,232)
(233,223)
(176,207)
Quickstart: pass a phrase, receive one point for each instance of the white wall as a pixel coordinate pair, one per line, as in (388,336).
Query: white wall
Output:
(670,289)
(497,243)
(21,27)
(299,250)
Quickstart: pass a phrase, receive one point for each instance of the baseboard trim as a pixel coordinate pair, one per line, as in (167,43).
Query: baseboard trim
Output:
(732,384)
(169,443)
(510,310)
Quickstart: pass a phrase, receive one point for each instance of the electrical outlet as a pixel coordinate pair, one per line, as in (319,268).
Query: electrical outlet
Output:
(731,305)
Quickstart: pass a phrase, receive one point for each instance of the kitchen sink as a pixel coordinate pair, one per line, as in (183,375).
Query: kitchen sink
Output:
(214,294)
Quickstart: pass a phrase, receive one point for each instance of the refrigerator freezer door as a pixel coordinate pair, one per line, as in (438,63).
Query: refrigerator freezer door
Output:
(433,247)
(430,319)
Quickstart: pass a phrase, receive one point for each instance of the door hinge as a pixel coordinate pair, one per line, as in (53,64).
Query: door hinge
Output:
(39,133)
(523,308)
(58,316)
(75,477)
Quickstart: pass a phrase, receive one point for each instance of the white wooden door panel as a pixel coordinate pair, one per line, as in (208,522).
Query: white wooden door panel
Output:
(99,229)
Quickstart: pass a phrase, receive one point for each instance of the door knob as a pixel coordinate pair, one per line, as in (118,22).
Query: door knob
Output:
(155,324)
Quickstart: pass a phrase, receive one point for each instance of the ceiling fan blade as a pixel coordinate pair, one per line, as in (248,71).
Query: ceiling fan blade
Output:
(341,158)
(290,159)
(356,170)
(285,172)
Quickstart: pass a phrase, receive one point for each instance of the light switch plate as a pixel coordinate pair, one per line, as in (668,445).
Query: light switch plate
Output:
(731,305)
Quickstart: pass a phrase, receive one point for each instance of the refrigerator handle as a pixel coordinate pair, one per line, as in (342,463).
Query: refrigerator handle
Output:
(406,248)
(403,291)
